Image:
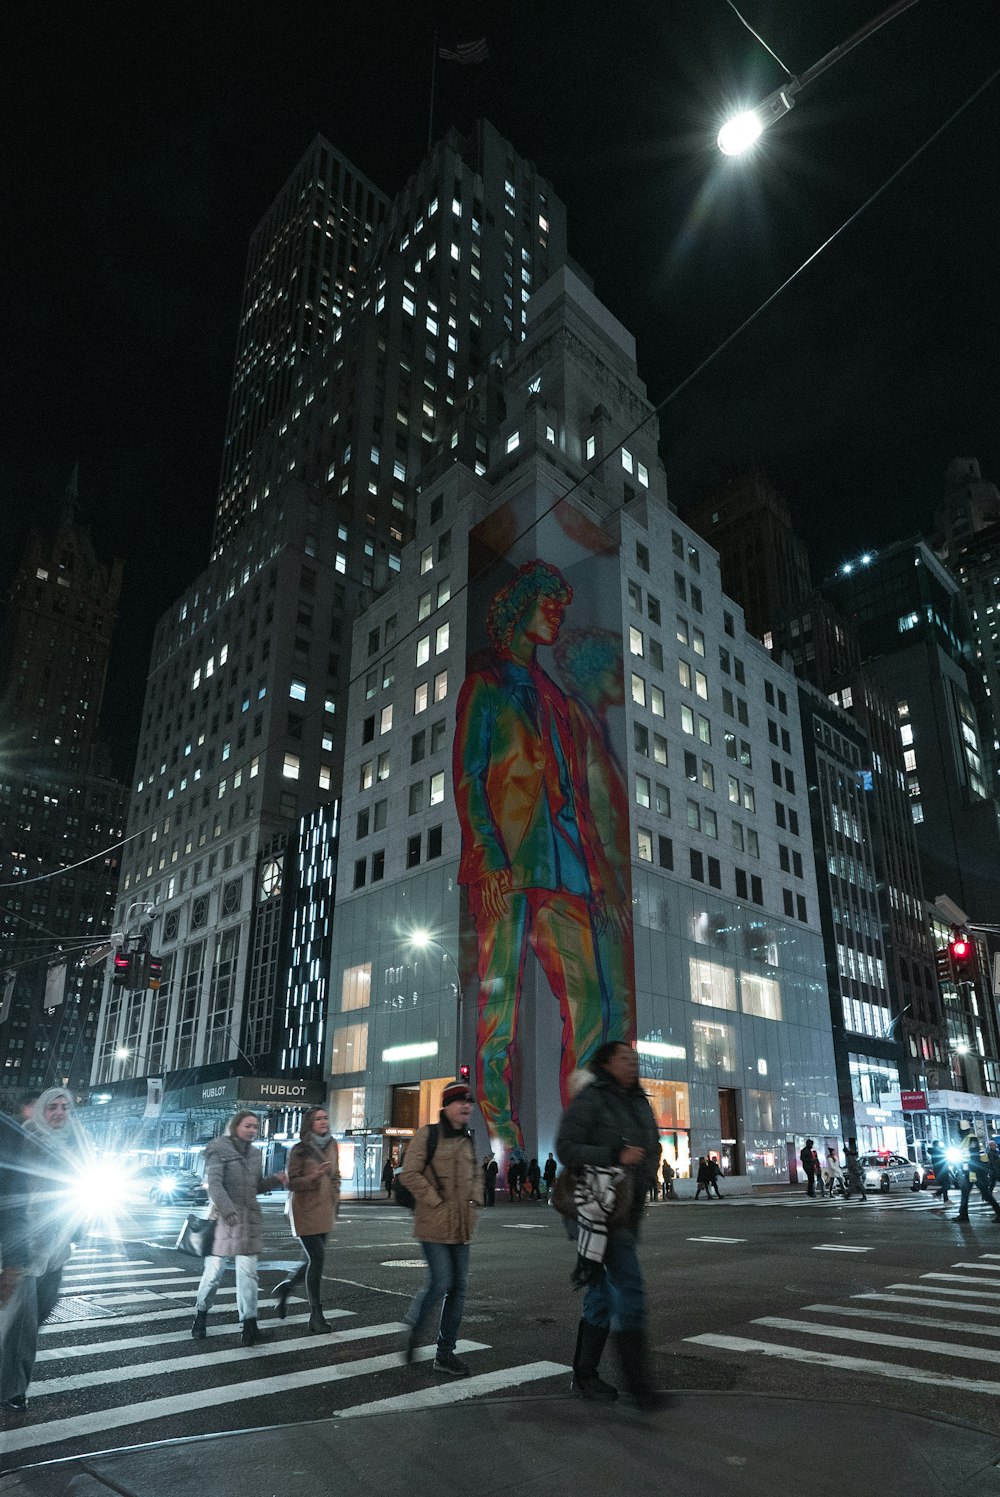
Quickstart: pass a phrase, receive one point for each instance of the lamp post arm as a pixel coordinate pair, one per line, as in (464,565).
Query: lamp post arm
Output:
(863,32)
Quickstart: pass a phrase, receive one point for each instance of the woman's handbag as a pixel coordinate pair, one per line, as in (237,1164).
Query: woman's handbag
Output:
(196,1236)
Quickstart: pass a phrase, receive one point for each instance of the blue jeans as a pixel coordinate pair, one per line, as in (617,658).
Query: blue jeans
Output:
(618,1299)
(246,1284)
(448,1274)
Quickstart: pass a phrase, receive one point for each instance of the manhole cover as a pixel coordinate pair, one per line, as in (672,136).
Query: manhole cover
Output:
(70,1308)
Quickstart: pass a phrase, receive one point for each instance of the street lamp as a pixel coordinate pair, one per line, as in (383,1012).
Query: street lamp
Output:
(421,939)
(739,133)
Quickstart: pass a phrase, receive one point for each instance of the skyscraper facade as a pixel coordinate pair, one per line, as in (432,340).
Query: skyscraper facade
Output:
(333,430)
(303,270)
(563,814)
(60,807)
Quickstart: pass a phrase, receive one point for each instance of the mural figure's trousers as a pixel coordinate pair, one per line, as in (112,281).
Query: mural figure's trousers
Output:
(559,929)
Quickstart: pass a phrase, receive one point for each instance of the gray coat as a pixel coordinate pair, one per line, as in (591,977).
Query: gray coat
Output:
(600,1122)
(233,1177)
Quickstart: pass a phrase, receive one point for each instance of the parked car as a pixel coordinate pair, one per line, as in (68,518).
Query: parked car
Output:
(883,1171)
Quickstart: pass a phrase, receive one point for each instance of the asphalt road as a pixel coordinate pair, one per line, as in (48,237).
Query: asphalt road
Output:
(889,1302)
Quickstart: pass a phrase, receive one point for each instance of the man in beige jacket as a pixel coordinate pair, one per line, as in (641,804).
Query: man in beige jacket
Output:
(447,1187)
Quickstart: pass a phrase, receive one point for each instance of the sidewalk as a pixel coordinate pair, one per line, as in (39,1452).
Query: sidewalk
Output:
(707,1445)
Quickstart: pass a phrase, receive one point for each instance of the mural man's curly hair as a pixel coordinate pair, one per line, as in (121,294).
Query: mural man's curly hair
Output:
(583,655)
(534,580)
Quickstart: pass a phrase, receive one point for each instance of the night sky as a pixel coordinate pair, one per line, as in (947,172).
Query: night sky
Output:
(144,143)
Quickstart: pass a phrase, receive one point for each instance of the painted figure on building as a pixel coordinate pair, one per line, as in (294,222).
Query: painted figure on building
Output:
(532,862)
(590,666)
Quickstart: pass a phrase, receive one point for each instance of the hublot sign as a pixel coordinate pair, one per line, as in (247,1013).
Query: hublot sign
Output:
(252,1091)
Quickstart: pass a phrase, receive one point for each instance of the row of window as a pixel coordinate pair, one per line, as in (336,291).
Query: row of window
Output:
(419,847)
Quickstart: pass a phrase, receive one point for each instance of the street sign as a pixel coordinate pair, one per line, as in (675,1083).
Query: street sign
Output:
(913,1101)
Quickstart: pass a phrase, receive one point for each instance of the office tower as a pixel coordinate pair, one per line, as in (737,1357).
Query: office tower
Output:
(866,1041)
(59,805)
(303,270)
(968,541)
(915,639)
(645,712)
(811,629)
(241,743)
(764,563)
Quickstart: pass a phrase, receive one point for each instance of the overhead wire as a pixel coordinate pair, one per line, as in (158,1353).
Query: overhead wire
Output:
(757,36)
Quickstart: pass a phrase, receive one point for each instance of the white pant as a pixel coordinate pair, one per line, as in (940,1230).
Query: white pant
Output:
(246,1284)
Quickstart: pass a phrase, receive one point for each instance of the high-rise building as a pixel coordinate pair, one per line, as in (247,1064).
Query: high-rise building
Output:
(564,817)
(764,563)
(811,630)
(968,541)
(331,437)
(59,805)
(303,270)
(915,639)
(865,1033)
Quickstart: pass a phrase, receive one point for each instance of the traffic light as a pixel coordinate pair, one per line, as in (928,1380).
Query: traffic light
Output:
(463,1074)
(122,974)
(962,950)
(154,971)
(945,970)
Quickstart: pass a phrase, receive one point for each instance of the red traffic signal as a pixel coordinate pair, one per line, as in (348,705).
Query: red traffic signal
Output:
(122,974)
(464,1074)
(962,950)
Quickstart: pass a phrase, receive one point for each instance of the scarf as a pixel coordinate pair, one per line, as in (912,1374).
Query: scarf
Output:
(319,1143)
(594,1196)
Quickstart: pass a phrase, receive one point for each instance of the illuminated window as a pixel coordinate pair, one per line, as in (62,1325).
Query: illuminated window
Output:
(420,698)
(290,767)
(356,987)
(712,984)
(350,1049)
(761,996)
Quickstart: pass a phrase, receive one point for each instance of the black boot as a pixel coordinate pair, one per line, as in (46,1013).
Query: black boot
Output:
(590,1340)
(281,1293)
(316,1320)
(199,1326)
(632,1350)
(251,1335)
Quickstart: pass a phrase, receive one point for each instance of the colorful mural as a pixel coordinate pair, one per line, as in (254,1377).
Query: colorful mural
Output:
(540,793)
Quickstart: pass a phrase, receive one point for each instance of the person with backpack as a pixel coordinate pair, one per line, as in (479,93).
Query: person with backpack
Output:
(440,1170)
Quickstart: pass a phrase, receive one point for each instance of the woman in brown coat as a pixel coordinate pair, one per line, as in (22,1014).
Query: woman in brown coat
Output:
(447,1188)
(233,1177)
(314,1186)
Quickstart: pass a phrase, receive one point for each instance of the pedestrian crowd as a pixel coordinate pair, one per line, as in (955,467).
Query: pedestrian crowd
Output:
(608,1145)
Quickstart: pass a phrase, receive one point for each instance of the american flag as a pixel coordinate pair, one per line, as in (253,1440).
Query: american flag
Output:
(466,52)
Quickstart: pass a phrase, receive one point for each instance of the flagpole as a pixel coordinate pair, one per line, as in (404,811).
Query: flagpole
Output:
(430,112)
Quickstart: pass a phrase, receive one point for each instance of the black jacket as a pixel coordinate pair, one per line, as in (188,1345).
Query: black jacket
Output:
(600,1122)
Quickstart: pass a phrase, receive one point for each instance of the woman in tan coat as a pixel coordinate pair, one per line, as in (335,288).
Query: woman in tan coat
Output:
(314,1196)
(447,1188)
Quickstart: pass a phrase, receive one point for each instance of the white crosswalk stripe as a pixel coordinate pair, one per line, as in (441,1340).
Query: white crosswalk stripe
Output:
(138,1376)
(888,1341)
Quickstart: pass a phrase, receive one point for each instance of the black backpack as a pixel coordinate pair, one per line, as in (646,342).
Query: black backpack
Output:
(401,1195)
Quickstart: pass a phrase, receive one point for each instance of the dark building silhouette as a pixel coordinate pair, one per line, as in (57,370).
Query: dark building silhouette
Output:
(58,805)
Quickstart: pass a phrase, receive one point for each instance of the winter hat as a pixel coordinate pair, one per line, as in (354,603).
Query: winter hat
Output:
(456,1091)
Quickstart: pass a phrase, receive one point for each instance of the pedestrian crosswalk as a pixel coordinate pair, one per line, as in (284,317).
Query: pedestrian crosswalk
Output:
(137,1376)
(889,1334)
